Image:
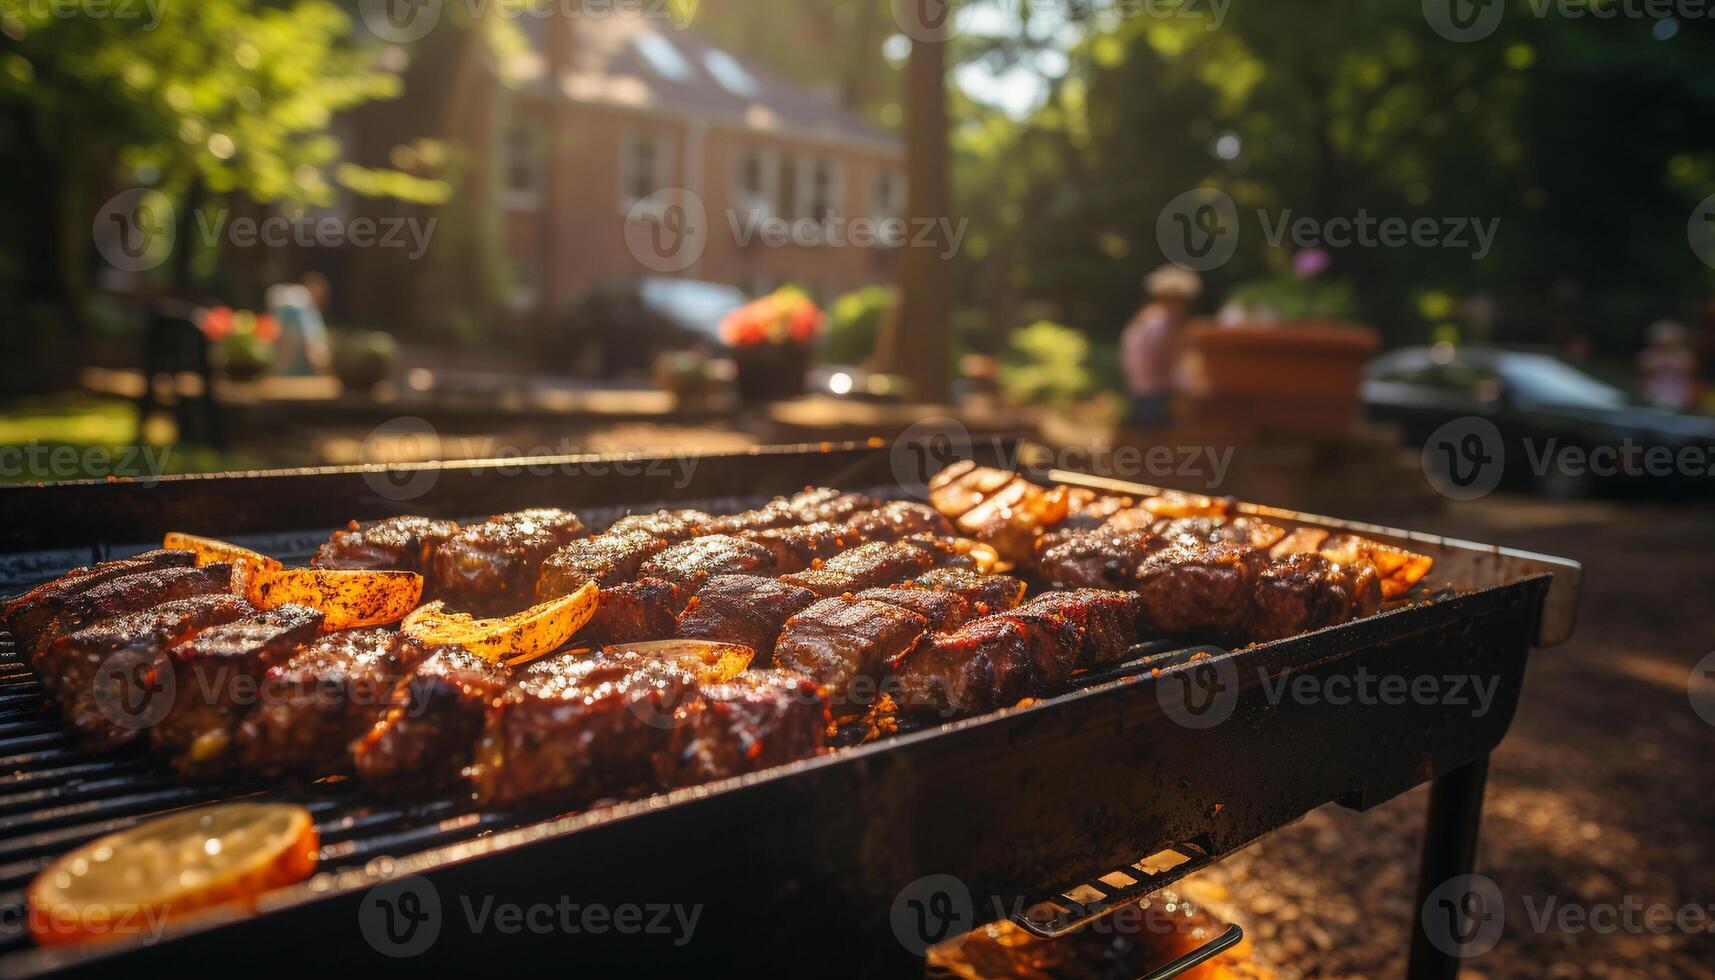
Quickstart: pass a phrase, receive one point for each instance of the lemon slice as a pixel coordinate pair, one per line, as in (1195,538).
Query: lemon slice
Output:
(132,883)
(521,636)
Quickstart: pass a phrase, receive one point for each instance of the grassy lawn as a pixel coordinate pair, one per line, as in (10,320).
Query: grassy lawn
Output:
(79,437)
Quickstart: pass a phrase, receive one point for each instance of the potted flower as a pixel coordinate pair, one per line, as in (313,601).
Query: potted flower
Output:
(1283,354)
(364,359)
(242,341)
(771,340)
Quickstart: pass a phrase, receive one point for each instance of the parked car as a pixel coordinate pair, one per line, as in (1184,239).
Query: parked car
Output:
(1560,430)
(617,327)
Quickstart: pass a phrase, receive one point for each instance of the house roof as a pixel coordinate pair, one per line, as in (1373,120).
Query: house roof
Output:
(649,64)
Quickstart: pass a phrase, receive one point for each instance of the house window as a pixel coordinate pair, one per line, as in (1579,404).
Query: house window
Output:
(522,162)
(754,181)
(525,287)
(821,188)
(644,164)
(887,195)
(786,197)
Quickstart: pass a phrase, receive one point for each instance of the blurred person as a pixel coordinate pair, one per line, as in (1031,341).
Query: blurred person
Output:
(1667,368)
(1153,345)
(302,347)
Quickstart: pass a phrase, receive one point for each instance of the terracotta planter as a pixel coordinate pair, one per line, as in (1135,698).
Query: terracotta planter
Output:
(1300,376)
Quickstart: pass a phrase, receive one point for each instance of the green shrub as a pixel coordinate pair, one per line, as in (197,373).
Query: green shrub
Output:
(854,323)
(1046,363)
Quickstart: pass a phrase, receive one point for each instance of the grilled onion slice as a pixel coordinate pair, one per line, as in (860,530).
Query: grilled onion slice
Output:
(540,629)
(346,597)
(209,550)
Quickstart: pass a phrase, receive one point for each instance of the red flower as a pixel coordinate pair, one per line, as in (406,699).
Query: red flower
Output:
(267,328)
(217,322)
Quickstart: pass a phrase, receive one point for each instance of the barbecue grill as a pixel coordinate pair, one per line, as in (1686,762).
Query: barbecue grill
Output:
(1052,813)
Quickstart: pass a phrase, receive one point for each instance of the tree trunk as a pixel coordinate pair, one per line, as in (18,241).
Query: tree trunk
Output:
(914,340)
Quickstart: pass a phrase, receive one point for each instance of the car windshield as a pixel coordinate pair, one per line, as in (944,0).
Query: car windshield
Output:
(1547,381)
(698,305)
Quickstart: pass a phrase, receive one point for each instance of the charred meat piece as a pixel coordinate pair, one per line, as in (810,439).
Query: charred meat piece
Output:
(491,568)
(1106,620)
(690,563)
(943,610)
(633,611)
(847,647)
(799,546)
(1198,588)
(759,719)
(1307,592)
(744,609)
(606,559)
(1105,558)
(1212,530)
(405,543)
(986,593)
(775,513)
(955,490)
(327,695)
(899,519)
(990,663)
(103,672)
(434,715)
(217,677)
(573,730)
(33,613)
(674,525)
(131,593)
(866,566)
(825,504)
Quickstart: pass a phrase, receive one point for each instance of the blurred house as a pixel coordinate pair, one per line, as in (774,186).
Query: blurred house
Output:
(570,148)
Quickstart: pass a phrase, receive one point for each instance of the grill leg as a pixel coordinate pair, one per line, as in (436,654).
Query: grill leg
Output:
(1449,850)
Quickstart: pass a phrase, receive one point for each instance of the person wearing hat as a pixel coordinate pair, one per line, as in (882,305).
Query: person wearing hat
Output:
(1153,344)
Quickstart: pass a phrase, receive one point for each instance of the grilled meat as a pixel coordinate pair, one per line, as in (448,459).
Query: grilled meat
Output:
(799,546)
(327,695)
(633,611)
(574,730)
(1106,620)
(433,718)
(745,609)
(131,593)
(899,519)
(847,646)
(1298,593)
(1198,588)
(674,525)
(985,593)
(759,719)
(826,504)
(216,681)
(405,543)
(1105,558)
(943,610)
(873,564)
(690,563)
(606,559)
(491,568)
(32,613)
(102,673)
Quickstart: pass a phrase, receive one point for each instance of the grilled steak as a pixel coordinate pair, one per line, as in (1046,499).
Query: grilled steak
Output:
(405,543)
(131,593)
(573,730)
(866,566)
(102,673)
(985,593)
(759,719)
(1105,558)
(430,728)
(1297,593)
(899,519)
(690,563)
(799,546)
(633,611)
(1106,620)
(847,645)
(943,610)
(674,525)
(217,678)
(825,504)
(328,694)
(1198,588)
(30,614)
(606,559)
(491,568)
(744,609)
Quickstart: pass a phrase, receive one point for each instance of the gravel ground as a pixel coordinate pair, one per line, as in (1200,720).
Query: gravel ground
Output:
(1600,795)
